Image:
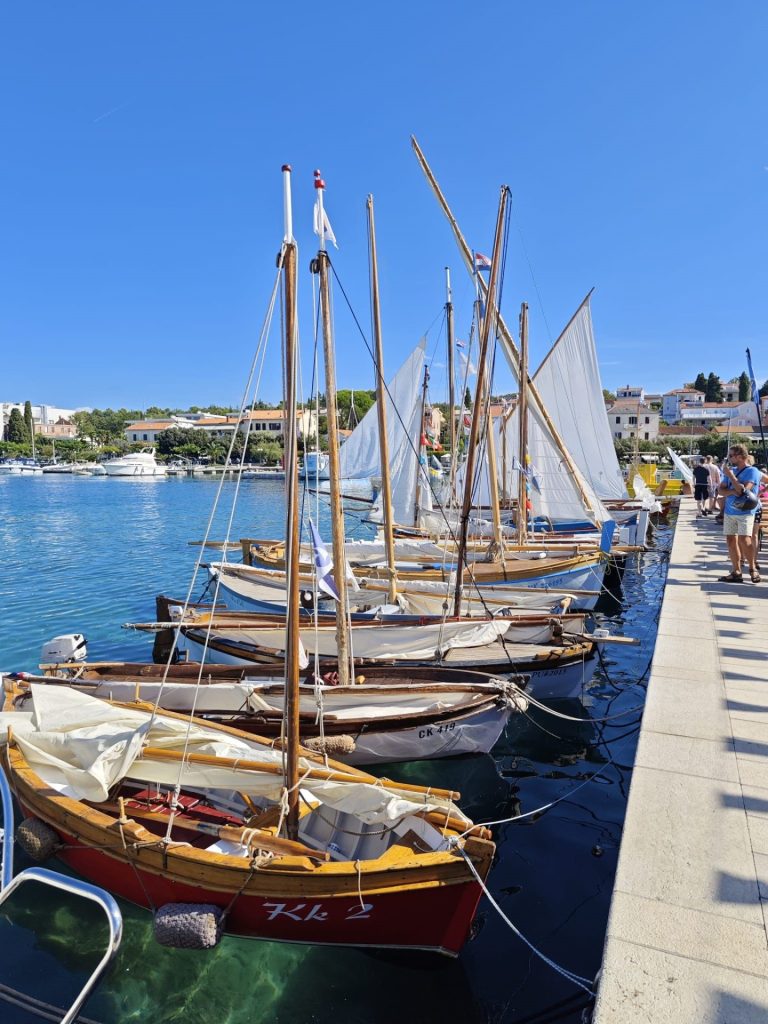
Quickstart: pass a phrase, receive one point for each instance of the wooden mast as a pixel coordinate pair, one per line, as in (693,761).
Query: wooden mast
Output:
(381,409)
(292,640)
(522,419)
(422,467)
(513,355)
(451,384)
(490,451)
(320,266)
(469,465)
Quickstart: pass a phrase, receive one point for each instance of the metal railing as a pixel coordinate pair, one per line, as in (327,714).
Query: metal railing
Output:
(74,886)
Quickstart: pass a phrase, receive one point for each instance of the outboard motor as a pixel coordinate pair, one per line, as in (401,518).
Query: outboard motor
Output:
(65,648)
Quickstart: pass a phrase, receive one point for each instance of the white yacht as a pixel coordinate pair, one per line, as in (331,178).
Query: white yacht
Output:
(19,467)
(135,464)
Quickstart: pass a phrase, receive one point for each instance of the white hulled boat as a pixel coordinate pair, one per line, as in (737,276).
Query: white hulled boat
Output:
(135,464)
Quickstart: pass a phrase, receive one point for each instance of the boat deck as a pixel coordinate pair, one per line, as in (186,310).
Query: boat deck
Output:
(687,939)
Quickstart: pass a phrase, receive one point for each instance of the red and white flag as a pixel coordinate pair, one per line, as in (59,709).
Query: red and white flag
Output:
(482,262)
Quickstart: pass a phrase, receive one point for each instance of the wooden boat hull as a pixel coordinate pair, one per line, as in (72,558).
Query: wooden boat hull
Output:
(560,674)
(416,903)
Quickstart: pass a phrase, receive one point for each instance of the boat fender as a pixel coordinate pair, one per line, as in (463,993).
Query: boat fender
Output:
(37,839)
(333,745)
(188,925)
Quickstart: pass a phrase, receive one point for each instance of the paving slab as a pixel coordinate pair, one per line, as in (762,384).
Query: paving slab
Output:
(687,938)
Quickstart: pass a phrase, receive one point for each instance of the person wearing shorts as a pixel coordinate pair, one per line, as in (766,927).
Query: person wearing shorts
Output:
(701,486)
(738,478)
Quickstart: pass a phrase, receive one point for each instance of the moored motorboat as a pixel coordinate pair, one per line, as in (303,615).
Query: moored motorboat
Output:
(135,464)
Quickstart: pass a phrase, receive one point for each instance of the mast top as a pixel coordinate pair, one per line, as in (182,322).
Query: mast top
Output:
(319,183)
(286,167)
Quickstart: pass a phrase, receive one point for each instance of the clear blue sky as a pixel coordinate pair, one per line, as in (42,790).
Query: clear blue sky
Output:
(140,206)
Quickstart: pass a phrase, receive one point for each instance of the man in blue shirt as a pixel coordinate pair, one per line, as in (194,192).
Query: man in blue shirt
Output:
(739,477)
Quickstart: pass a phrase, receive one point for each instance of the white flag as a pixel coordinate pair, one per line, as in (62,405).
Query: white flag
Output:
(323,565)
(326,229)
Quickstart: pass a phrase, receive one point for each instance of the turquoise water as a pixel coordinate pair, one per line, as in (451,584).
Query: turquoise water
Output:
(80,554)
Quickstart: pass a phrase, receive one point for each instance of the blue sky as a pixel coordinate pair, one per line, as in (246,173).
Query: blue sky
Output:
(141,204)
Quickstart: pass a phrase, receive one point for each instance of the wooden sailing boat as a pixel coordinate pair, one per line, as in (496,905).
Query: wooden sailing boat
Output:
(303,849)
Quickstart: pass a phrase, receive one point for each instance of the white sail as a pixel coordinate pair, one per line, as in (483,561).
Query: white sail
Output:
(569,383)
(685,471)
(359,457)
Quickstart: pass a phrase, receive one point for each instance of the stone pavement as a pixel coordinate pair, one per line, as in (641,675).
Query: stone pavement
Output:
(687,940)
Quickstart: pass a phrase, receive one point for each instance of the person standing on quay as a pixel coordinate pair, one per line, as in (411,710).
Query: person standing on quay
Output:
(739,478)
(715,479)
(701,486)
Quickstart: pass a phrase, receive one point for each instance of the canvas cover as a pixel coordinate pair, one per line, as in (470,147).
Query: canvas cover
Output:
(82,746)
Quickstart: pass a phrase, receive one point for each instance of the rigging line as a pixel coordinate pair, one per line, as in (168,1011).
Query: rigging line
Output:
(552,803)
(420,468)
(575,979)
(198,562)
(533,278)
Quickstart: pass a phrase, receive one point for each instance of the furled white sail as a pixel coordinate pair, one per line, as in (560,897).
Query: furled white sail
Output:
(359,457)
(569,383)
(685,471)
(82,746)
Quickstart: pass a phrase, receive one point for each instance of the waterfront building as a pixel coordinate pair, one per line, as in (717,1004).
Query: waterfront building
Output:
(270,421)
(673,400)
(44,417)
(630,393)
(633,419)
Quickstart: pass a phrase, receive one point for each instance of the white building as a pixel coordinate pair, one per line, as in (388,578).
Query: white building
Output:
(633,420)
(672,401)
(42,415)
(628,392)
(714,414)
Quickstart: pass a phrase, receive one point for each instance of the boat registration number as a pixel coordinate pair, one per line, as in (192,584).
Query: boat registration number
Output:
(315,912)
(432,730)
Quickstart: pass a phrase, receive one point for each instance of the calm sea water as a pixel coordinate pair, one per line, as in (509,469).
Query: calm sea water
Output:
(81,554)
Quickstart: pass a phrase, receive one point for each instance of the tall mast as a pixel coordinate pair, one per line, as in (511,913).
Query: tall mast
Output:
(381,409)
(469,465)
(522,412)
(292,640)
(513,356)
(320,266)
(490,447)
(451,384)
(422,470)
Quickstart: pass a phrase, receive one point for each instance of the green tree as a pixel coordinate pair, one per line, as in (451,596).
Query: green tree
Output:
(363,400)
(608,397)
(714,391)
(700,383)
(745,388)
(16,429)
(29,424)
(764,389)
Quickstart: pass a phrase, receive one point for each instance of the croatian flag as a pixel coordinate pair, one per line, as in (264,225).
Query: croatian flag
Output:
(323,564)
(482,262)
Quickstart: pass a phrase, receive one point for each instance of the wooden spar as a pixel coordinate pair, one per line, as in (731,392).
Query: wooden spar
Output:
(269,768)
(451,384)
(493,479)
(381,409)
(250,837)
(522,419)
(562,333)
(513,356)
(320,266)
(469,465)
(292,640)
(422,469)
